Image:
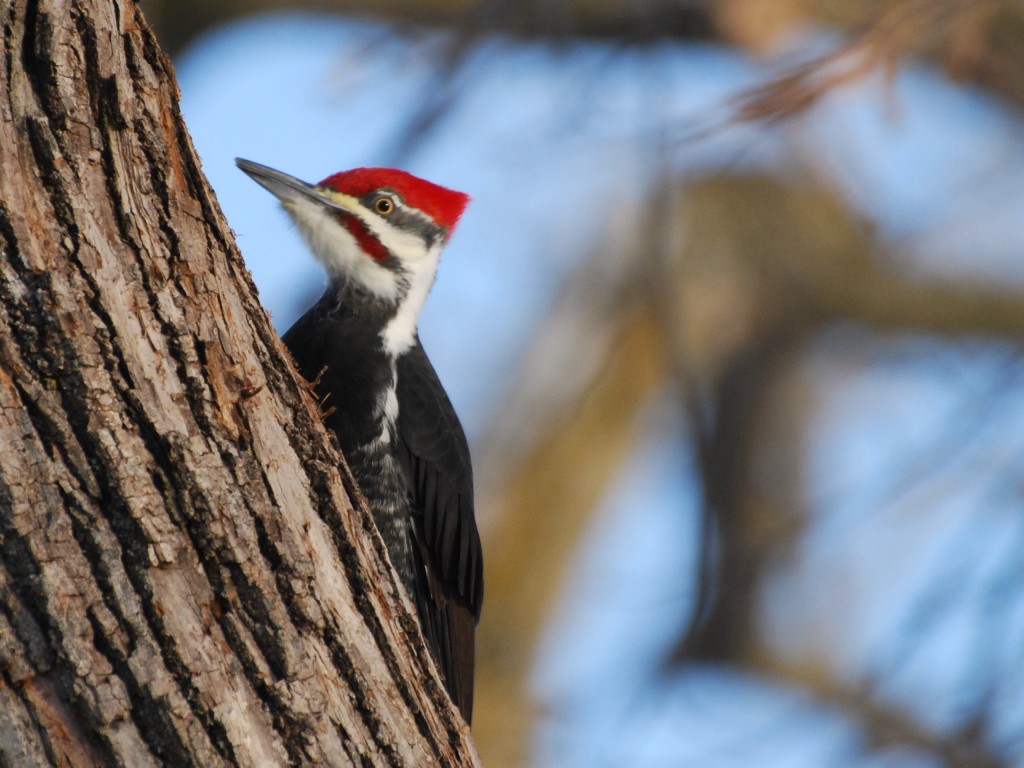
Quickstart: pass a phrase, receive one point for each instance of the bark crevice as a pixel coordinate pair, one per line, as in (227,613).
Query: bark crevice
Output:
(183,579)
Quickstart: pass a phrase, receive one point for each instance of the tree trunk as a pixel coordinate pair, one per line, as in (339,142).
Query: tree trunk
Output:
(183,579)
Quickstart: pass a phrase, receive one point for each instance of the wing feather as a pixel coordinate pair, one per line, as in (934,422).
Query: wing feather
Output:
(435,457)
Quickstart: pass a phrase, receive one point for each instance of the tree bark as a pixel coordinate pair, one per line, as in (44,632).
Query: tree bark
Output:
(183,578)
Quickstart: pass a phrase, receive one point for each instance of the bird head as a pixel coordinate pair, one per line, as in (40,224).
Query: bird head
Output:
(379,229)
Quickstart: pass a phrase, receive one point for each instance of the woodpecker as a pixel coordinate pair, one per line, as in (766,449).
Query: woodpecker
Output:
(379,232)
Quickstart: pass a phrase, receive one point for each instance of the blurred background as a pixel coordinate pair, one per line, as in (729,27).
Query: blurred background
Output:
(734,324)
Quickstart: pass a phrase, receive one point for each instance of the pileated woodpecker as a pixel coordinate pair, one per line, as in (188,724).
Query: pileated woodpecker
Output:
(379,233)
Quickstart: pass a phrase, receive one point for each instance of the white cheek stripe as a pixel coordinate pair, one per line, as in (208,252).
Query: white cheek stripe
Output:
(336,248)
(400,333)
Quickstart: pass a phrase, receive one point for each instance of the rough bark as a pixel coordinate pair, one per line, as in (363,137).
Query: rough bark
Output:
(183,579)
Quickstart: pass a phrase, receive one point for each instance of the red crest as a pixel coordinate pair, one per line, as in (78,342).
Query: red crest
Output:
(443,205)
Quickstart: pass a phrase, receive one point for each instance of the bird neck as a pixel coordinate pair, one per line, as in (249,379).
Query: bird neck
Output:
(400,333)
(392,324)
(395,319)
(348,299)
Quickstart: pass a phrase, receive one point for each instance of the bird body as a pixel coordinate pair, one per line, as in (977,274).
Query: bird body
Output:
(379,234)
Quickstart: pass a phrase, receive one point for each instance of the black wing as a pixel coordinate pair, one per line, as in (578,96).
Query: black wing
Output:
(435,457)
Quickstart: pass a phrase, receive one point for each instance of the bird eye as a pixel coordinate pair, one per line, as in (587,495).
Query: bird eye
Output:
(384,205)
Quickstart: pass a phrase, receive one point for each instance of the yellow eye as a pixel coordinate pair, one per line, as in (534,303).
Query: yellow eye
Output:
(384,206)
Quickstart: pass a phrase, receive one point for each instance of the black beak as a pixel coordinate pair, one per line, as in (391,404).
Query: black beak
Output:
(285,188)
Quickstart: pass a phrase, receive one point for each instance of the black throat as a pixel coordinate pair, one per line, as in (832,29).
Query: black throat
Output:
(337,344)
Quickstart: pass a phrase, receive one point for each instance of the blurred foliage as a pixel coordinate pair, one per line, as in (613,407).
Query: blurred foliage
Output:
(980,40)
(724,319)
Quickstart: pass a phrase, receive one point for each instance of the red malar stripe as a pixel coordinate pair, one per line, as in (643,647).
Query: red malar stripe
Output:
(366,239)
